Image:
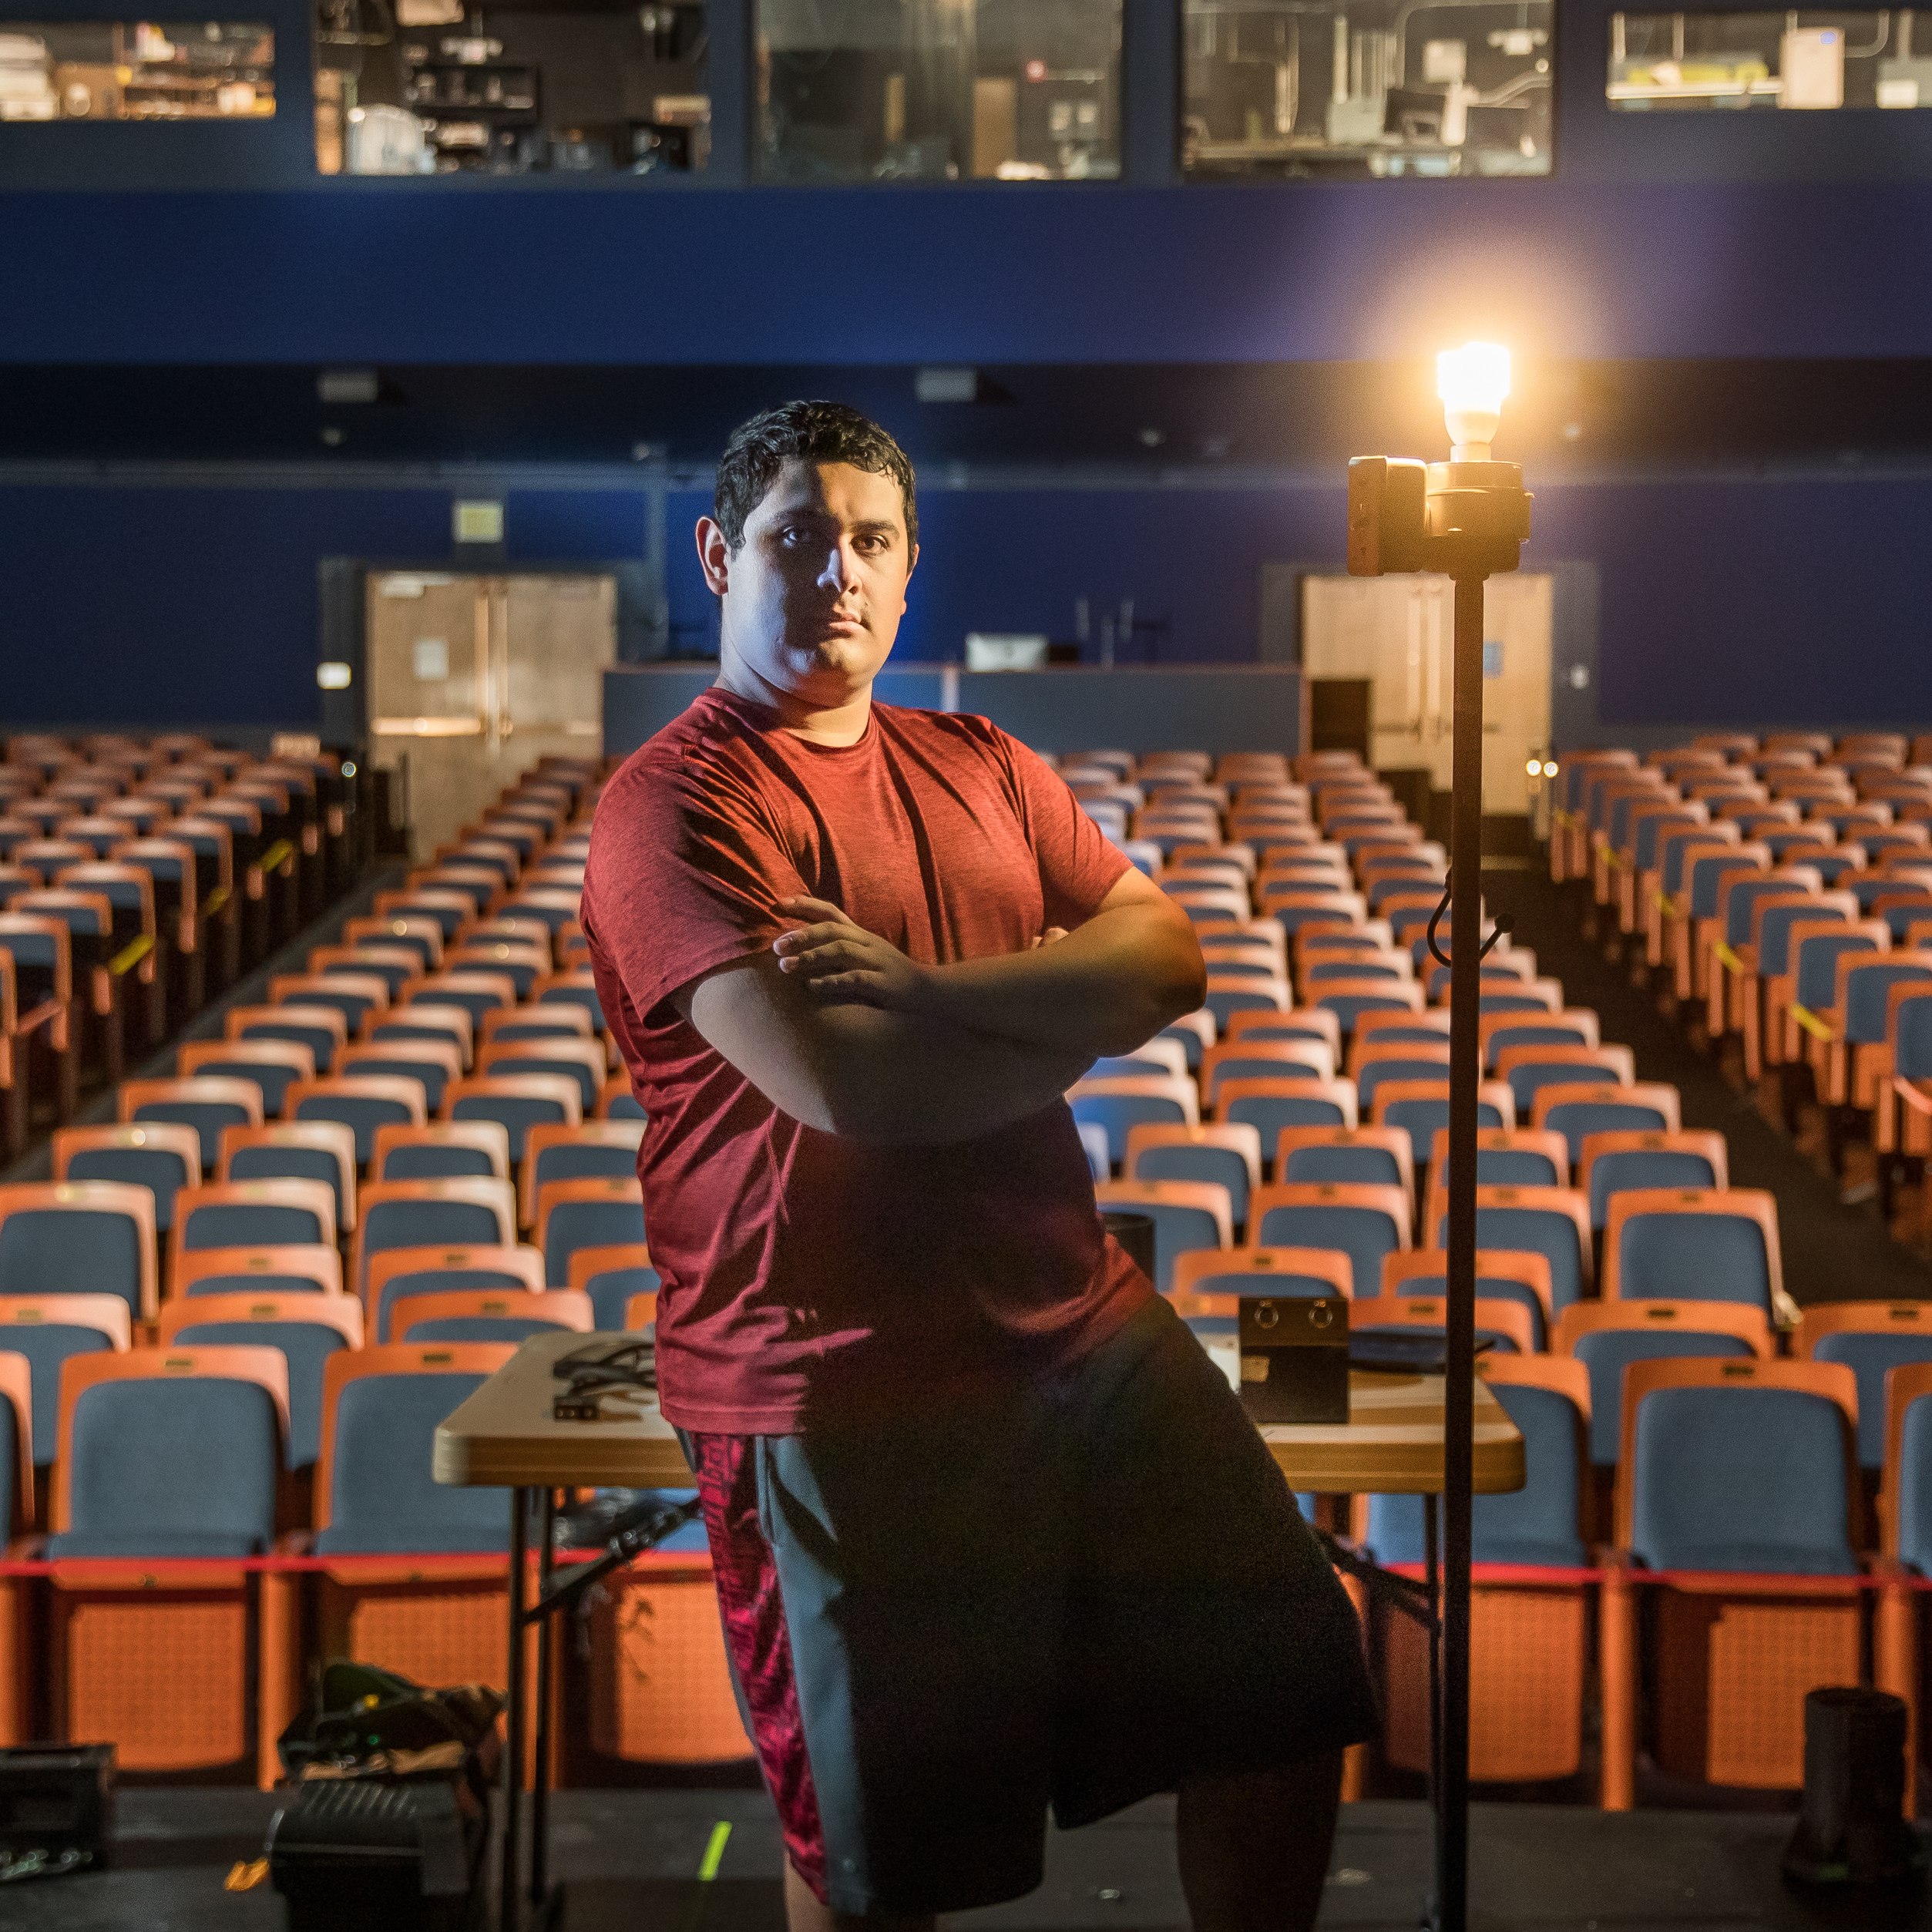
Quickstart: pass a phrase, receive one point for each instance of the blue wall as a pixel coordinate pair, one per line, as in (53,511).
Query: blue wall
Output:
(1720,601)
(1072,273)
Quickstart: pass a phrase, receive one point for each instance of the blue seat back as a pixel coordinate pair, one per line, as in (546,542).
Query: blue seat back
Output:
(1577,1120)
(1524,1081)
(1349,1007)
(1501,1001)
(1744,1479)
(434,1282)
(251,1223)
(382,1497)
(1516,1167)
(254,1285)
(1707,876)
(1647,830)
(1534,1231)
(1912,1049)
(1183,1162)
(274,1081)
(423,1223)
(587,1082)
(1364,1234)
(361,1114)
(270,1162)
(478,1328)
(1745,895)
(1868,1357)
(160,1170)
(1114,1113)
(1269,1112)
(1629,1167)
(1607,1352)
(1378,1072)
(1488,1288)
(67,1251)
(426,1073)
(207,1118)
(306,1347)
(1224,1002)
(1422,1120)
(518,1115)
(1191,1043)
(1350,969)
(586,1223)
(580,1161)
(1241,1066)
(610,1292)
(1694,1258)
(583,997)
(1538,1524)
(1774,935)
(163,1467)
(1866,995)
(1913,1501)
(1818,958)
(320,1041)
(1532,1033)
(1178,1229)
(46,1346)
(435,1160)
(1376,1165)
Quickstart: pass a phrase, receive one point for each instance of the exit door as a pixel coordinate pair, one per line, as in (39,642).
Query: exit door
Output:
(472,680)
(1399,634)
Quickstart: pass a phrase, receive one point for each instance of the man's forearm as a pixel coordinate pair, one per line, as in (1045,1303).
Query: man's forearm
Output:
(1108,985)
(867,1074)
(901,1078)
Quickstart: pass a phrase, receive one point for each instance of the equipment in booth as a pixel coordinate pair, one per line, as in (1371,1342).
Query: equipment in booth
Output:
(1295,1358)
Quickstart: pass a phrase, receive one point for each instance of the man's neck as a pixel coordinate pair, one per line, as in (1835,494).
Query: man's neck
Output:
(803,718)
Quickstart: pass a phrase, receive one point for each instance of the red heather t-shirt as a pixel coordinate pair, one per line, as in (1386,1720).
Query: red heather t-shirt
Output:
(808,1278)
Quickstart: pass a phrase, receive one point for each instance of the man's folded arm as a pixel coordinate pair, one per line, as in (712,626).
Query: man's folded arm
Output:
(867,1074)
(1107,987)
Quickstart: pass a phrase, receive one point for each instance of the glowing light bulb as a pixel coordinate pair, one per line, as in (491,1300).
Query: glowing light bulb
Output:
(1472,381)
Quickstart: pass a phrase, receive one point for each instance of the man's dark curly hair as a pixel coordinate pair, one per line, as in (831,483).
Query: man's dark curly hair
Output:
(821,432)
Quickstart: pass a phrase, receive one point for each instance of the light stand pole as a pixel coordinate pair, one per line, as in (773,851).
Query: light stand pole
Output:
(1467,517)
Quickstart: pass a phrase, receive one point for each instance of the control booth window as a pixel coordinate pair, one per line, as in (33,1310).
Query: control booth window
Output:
(939,90)
(424,87)
(1670,62)
(1385,88)
(90,70)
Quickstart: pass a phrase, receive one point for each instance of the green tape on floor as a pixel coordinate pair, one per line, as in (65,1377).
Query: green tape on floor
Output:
(714,1851)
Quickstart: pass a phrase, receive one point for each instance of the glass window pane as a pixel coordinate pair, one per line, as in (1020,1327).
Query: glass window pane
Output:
(525,90)
(1381,88)
(939,90)
(1671,63)
(102,70)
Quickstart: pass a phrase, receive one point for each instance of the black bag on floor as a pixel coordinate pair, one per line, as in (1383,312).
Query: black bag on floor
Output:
(390,1813)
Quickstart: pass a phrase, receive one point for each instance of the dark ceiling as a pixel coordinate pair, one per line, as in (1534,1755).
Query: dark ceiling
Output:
(1300,416)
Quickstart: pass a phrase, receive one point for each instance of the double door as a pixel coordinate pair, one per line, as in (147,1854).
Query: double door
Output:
(1399,633)
(472,679)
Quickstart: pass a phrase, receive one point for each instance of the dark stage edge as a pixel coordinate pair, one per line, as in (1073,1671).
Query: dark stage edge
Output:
(633,1857)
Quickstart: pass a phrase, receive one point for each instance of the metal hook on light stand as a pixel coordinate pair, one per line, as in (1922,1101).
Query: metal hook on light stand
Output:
(1504,926)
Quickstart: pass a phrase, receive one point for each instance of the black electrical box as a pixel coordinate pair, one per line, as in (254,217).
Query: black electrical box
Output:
(1295,1358)
(57,1799)
(376,1855)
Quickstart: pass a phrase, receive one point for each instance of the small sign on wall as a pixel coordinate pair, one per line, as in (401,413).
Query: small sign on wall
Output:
(479,522)
(429,658)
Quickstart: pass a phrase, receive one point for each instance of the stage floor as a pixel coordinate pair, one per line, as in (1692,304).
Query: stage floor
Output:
(633,1857)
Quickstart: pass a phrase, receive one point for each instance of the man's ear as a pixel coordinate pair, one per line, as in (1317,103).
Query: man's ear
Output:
(912,565)
(713,556)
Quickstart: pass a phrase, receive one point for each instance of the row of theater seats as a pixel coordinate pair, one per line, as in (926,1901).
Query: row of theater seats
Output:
(138,878)
(1788,886)
(231,1324)
(1632,1300)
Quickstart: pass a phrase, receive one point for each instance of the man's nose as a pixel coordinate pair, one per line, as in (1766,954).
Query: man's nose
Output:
(841,566)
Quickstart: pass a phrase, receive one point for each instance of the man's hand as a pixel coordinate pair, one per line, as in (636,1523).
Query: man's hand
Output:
(839,962)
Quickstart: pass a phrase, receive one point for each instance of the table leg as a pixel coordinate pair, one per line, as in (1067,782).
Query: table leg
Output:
(540,1783)
(508,1913)
(1430,1544)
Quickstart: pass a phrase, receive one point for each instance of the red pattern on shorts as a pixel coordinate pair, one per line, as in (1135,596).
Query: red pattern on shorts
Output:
(760,1646)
